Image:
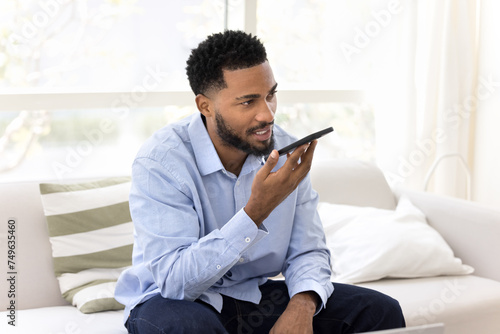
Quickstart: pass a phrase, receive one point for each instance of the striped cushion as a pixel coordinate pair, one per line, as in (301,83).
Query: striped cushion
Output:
(91,233)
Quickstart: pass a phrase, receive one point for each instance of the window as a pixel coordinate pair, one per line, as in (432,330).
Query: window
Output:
(84,83)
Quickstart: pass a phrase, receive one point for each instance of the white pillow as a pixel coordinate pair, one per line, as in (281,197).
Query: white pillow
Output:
(368,244)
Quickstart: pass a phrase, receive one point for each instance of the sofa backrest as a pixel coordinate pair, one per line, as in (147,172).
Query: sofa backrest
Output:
(352,182)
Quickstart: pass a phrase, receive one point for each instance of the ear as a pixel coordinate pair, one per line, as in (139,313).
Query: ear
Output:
(204,105)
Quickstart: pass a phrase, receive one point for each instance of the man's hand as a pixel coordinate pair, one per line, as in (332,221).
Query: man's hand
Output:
(270,189)
(298,315)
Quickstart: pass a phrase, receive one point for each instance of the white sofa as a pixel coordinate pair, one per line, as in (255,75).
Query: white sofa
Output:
(465,304)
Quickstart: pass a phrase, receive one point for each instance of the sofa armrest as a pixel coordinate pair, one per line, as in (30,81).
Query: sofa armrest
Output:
(36,283)
(471,230)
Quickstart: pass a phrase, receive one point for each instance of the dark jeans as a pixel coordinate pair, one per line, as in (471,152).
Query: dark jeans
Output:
(350,309)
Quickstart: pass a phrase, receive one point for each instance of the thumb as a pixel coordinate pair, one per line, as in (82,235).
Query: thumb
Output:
(271,162)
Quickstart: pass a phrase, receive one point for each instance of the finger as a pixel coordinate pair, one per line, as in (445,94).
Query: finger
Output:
(303,168)
(307,157)
(293,158)
(271,162)
(310,151)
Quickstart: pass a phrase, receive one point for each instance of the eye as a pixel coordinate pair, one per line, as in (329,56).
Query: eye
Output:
(272,95)
(247,102)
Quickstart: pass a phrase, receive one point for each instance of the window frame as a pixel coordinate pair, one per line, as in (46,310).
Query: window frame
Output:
(31,99)
(20,101)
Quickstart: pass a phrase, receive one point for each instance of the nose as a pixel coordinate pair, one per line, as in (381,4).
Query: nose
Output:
(266,112)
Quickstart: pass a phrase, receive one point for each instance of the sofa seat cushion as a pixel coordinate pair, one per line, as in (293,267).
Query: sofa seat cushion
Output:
(465,304)
(64,319)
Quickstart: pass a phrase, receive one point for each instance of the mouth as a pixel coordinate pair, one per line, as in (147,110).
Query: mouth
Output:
(263,134)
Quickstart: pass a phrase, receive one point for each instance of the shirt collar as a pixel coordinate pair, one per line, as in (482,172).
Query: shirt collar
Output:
(204,151)
(206,156)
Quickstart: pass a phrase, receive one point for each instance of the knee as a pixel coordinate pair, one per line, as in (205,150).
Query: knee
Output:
(385,312)
(175,316)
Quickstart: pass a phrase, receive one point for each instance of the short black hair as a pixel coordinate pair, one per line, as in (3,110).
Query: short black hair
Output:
(230,50)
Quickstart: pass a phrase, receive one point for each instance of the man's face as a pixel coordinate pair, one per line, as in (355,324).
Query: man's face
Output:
(244,112)
(230,137)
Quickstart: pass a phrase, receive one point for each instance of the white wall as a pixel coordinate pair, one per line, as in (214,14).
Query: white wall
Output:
(486,168)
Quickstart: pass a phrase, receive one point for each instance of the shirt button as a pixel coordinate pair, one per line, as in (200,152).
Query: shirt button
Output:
(247,239)
(238,182)
(218,266)
(241,260)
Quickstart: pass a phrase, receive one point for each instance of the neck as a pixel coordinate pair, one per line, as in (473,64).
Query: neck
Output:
(232,159)
(234,168)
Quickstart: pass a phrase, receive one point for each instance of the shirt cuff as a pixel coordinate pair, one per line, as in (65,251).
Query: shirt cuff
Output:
(309,285)
(241,232)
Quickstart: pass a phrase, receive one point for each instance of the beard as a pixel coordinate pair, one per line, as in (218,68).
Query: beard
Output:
(230,138)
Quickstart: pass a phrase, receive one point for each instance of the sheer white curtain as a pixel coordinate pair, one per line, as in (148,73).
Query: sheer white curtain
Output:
(425,112)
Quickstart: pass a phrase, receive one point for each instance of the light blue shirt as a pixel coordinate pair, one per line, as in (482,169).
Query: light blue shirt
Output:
(193,239)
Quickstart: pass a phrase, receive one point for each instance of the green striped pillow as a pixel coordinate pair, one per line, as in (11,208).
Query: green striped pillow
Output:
(91,234)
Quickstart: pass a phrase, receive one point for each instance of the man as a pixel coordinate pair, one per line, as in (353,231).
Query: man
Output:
(214,219)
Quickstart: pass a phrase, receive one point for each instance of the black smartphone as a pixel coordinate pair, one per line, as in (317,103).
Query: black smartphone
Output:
(305,140)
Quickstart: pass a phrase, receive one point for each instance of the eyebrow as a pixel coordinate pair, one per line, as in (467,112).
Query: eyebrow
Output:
(256,96)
